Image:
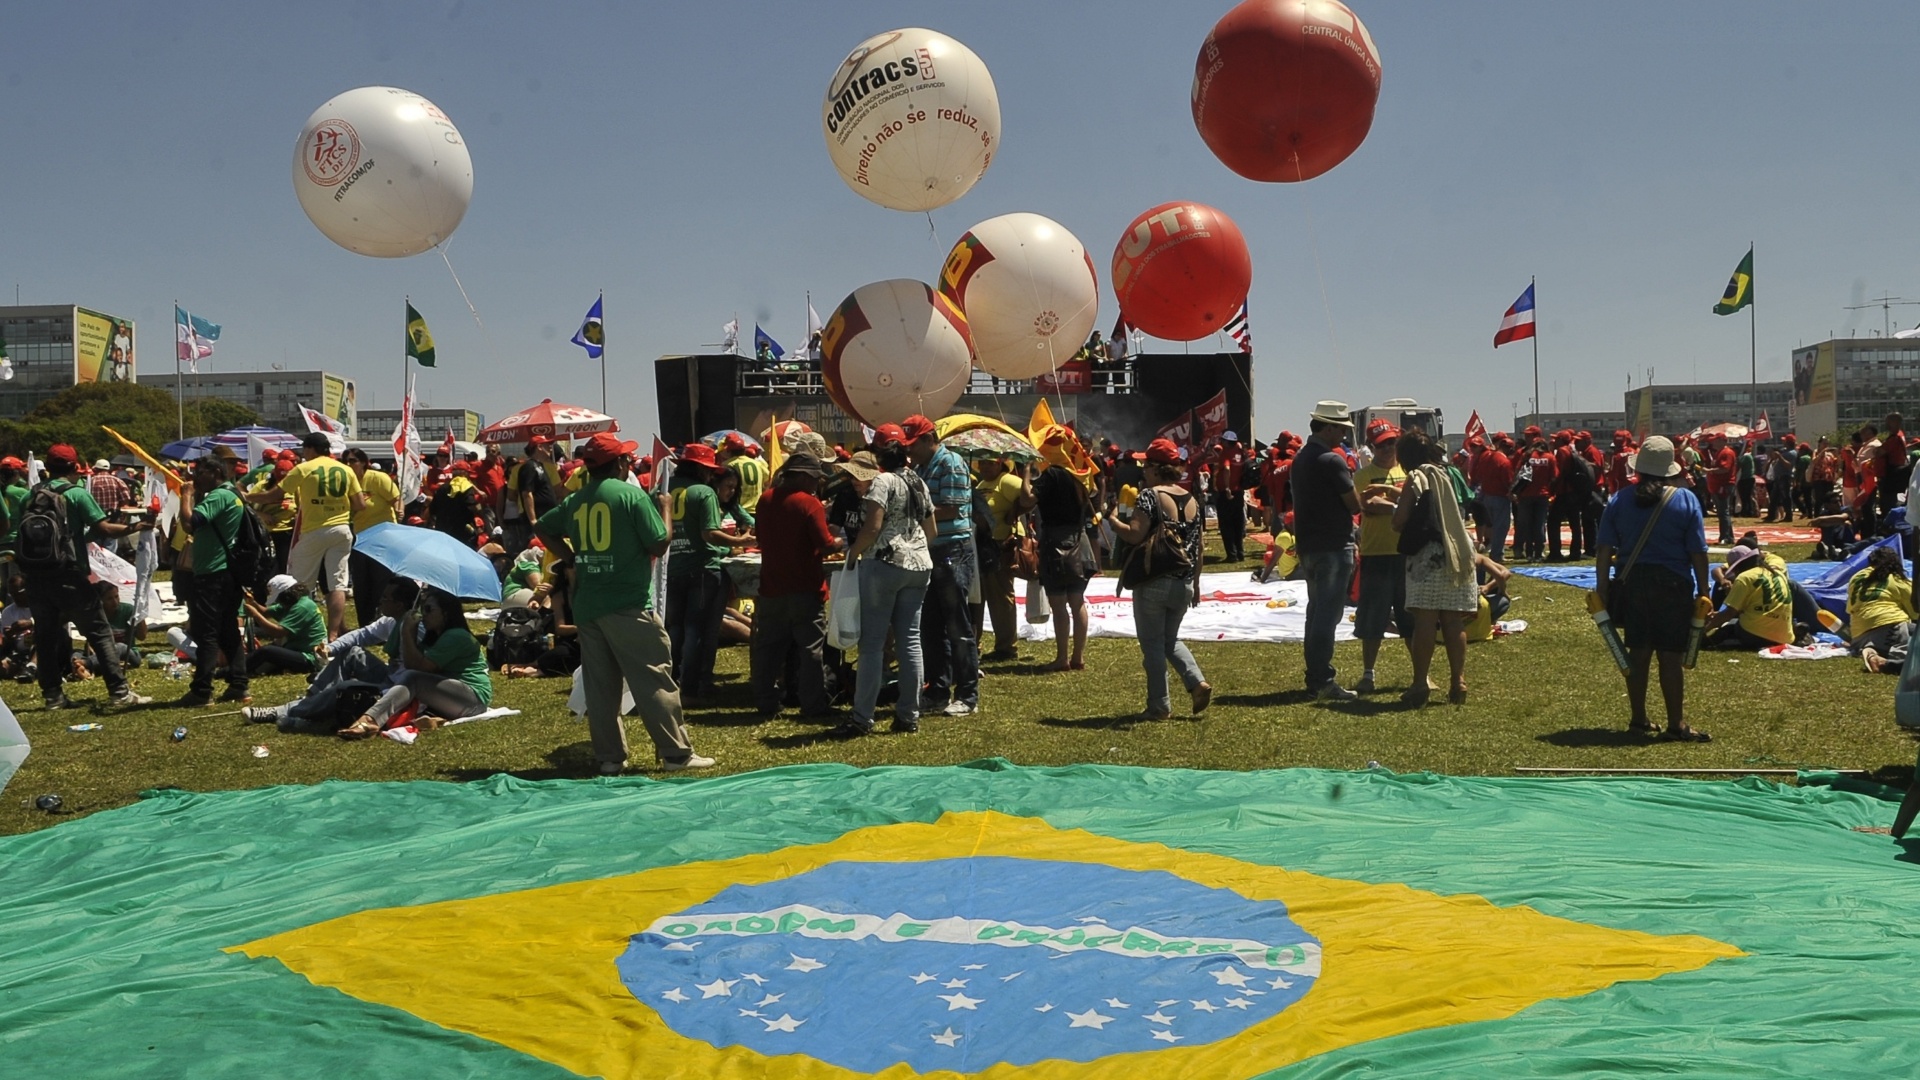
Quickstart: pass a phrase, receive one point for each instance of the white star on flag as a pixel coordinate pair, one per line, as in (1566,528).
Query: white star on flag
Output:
(1230,977)
(1240,1003)
(1048,1007)
(1166,1036)
(1280,983)
(1090,1018)
(1157,1017)
(749,1012)
(954,984)
(679,946)
(785,1023)
(716,988)
(1164,1004)
(1010,978)
(1205,1006)
(757,980)
(1093,919)
(674,995)
(971,967)
(804,963)
(946,1038)
(960,1001)
(923,977)
(768,1000)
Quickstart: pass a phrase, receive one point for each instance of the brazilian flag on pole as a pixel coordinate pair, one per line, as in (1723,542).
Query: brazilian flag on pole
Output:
(979,920)
(1739,292)
(419,338)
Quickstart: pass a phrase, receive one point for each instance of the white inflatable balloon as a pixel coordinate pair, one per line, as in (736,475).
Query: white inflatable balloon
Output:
(912,119)
(1028,291)
(382,171)
(895,348)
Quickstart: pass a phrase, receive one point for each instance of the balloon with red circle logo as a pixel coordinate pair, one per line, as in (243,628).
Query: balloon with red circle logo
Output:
(1181,271)
(1028,290)
(1284,90)
(895,348)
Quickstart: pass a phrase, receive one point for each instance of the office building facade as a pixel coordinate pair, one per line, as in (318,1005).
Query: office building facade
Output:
(53,347)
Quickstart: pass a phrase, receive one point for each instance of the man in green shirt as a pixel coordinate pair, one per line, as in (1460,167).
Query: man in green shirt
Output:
(696,580)
(613,531)
(13,493)
(60,593)
(210,511)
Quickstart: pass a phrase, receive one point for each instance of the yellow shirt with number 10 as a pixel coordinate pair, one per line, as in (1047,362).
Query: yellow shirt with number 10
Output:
(324,489)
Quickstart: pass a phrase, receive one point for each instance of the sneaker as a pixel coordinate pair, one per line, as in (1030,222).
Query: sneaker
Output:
(58,701)
(612,768)
(237,694)
(1333,691)
(194,699)
(958,708)
(908,726)
(263,715)
(691,761)
(127,699)
(1365,685)
(852,729)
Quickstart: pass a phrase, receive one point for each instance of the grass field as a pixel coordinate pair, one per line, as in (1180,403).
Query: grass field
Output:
(1548,697)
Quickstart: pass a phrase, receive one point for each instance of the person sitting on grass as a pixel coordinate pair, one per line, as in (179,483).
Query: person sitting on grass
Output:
(292,621)
(16,633)
(1880,612)
(1759,605)
(561,660)
(446,673)
(351,667)
(126,634)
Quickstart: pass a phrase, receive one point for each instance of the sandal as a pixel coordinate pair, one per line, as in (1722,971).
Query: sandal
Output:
(1684,733)
(363,728)
(1646,729)
(1457,696)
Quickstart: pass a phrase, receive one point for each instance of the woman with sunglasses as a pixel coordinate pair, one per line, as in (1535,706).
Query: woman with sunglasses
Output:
(446,672)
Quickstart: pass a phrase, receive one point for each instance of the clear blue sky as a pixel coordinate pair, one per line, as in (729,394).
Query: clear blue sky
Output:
(671,155)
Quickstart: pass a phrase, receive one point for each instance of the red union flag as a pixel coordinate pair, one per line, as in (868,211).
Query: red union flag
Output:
(1762,428)
(1176,431)
(1212,417)
(1476,429)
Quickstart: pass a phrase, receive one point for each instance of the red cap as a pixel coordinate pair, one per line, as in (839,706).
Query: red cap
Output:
(891,433)
(1622,435)
(1476,442)
(462,468)
(1532,430)
(733,441)
(539,440)
(1787,439)
(1163,452)
(1380,429)
(63,452)
(1583,435)
(692,453)
(11,462)
(916,427)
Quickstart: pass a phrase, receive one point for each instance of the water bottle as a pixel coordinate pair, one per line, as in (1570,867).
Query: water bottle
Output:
(182,644)
(84,727)
(1697,631)
(1611,636)
(179,734)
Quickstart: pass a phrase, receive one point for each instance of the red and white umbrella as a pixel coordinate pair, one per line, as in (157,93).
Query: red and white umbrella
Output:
(550,419)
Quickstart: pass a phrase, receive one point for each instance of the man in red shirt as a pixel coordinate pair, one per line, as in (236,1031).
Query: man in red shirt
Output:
(1533,496)
(789,620)
(1226,472)
(1492,478)
(1893,468)
(1618,475)
(1572,487)
(1723,467)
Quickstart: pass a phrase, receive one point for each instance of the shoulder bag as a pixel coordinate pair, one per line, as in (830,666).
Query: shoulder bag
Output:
(1162,552)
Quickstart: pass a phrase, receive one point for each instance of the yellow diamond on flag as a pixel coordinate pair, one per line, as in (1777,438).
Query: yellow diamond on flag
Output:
(979,945)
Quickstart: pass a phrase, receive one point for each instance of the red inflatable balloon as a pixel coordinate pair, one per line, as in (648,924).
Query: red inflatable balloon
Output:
(1181,271)
(1284,89)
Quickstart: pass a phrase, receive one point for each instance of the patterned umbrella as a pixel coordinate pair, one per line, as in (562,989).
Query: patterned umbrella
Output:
(550,419)
(986,442)
(714,440)
(236,439)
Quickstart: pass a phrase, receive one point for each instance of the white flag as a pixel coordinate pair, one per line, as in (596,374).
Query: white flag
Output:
(814,326)
(409,468)
(730,336)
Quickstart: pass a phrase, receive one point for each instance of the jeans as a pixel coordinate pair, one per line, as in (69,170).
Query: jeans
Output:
(57,599)
(890,599)
(348,669)
(1568,510)
(1499,521)
(369,580)
(788,634)
(1747,506)
(951,655)
(279,660)
(695,601)
(213,621)
(1530,521)
(1723,508)
(1328,575)
(1230,515)
(1158,607)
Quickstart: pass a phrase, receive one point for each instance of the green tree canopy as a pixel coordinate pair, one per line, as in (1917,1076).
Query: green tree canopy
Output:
(145,414)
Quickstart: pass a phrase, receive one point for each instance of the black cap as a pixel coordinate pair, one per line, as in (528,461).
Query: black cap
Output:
(318,441)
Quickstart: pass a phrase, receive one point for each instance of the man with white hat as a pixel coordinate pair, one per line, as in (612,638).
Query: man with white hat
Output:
(1324,504)
(1660,528)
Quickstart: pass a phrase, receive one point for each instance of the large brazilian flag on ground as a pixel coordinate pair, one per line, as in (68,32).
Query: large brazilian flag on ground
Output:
(982,920)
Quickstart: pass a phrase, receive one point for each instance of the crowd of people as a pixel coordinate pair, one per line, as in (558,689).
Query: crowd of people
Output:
(924,548)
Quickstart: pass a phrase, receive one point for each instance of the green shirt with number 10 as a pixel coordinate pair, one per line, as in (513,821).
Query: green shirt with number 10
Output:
(611,525)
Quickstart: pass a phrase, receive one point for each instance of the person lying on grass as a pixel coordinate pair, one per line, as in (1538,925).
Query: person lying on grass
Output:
(1880,612)
(353,673)
(446,674)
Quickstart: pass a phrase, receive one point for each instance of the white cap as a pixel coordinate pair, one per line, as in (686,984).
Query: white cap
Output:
(278,584)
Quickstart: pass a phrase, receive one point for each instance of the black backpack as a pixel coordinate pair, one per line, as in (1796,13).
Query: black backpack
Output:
(248,557)
(45,543)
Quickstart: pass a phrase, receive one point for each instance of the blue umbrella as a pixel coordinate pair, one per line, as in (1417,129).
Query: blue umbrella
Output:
(188,449)
(432,558)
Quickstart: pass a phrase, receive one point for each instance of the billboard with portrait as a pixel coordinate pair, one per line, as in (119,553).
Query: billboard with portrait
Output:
(1813,377)
(102,347)
(338,402)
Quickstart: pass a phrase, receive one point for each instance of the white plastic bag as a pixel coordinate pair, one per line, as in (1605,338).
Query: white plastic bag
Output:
(843,607)
(13,745)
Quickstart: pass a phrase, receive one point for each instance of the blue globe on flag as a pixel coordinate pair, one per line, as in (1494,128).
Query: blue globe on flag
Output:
(962,964)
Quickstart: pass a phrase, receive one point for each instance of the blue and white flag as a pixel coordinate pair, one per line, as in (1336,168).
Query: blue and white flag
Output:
(762,340)
(592,335)
(195,337)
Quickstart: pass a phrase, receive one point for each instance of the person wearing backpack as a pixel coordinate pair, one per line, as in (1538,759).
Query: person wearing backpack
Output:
(55,524)
(1166,519)
(212,514)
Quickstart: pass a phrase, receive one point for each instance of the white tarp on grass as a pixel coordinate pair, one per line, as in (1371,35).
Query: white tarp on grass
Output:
(1232,607)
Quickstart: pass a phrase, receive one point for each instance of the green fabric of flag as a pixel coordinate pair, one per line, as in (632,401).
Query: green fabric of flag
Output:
(1739,292)
(118,957)
(419,338)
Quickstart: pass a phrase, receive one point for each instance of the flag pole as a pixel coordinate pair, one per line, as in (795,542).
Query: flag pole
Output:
(603,349)
(1753,346)
(1531,282)
(179,385)
(405,371)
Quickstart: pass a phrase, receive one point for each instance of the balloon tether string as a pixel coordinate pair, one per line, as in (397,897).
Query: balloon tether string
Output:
(486,335)
(1313,244)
